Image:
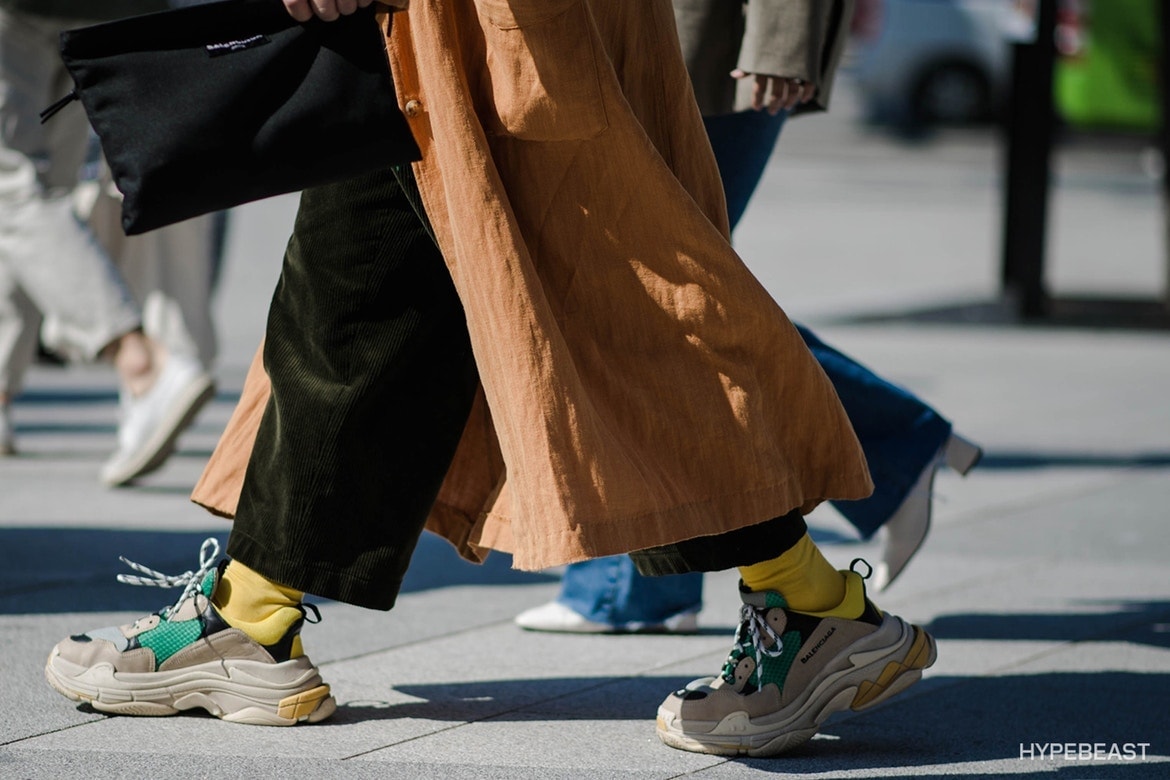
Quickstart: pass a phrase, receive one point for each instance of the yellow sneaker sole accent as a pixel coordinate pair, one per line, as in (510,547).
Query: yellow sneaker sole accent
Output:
(916,659)
(301,705)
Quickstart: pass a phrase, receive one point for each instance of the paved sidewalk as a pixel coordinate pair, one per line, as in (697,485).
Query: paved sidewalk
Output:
(1045,578)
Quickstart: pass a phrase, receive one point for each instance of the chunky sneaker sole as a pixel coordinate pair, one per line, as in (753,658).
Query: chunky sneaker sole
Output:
(866,674)
(187,657)
(789,671)
(555,617)
(238,691)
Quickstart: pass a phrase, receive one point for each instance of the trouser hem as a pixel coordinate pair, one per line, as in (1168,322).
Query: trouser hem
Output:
(741,547)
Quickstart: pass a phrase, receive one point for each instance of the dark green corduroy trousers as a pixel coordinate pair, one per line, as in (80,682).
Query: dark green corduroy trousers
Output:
(372,382)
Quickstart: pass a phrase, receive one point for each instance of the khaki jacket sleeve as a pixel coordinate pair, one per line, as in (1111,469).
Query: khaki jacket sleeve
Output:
(801,39)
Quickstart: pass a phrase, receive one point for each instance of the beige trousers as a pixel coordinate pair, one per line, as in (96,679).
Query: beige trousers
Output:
(89,283)
(49,262)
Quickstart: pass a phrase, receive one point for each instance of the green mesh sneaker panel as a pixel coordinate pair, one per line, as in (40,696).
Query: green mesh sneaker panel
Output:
(208,584)
(776,669)
(166,639)
(774,599)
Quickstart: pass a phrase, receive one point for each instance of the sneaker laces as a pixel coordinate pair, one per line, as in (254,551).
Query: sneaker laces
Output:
(753,629)
(189,581)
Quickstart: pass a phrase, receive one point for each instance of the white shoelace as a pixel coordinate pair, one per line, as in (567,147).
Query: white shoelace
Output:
(189,581)
(755,626)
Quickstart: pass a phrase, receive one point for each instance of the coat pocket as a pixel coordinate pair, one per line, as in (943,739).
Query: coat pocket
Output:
(542,70)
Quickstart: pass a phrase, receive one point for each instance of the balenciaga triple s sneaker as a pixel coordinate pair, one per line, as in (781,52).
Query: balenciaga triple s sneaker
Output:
(186,656)
(789,671)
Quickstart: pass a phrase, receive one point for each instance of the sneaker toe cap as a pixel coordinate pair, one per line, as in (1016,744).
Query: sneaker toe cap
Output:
(86,652)
(555,616)
(704,703)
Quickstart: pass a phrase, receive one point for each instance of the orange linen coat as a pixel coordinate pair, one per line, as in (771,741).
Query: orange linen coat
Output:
(639,386)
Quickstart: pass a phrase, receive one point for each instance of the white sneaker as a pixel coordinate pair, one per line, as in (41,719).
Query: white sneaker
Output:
(152,422)
(7,443)
(556,617)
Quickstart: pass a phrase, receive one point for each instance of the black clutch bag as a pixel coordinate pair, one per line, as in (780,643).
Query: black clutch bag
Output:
(206,107)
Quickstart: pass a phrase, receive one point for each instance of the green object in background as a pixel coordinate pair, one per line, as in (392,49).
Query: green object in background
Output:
(1112,82)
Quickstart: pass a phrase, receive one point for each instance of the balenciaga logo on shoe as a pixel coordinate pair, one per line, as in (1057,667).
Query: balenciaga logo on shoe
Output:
(229,47)
(805,658)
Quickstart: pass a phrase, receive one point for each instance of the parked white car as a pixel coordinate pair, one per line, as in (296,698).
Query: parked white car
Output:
(924,62)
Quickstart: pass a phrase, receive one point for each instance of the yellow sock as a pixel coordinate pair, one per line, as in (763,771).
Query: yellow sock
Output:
(261,608)
(802,575)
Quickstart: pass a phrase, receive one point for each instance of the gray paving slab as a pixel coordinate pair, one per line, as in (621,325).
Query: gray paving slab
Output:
(580,738)
(182,765)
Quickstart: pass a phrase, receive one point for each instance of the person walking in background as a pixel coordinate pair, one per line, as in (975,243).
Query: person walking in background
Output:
(53,267)
(536,339)
(750,71)
(171,272)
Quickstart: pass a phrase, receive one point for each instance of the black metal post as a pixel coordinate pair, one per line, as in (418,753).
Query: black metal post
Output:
(1164,140)
(1030,125)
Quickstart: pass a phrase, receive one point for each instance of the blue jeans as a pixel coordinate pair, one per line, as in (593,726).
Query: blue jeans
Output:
(610,590)
(899,434)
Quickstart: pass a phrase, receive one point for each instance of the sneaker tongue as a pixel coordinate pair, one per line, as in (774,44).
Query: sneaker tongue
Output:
(764,599)
(197,603)
(209,580)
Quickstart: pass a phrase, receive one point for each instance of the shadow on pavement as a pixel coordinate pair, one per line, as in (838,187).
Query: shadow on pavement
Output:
(1003,460)
(71,396)
(954,720)
(1119,313)
(1140,622)
(943,722)
(104,396)
(55,570)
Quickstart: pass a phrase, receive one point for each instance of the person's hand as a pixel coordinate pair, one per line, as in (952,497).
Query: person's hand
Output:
(775,93)
(328,10)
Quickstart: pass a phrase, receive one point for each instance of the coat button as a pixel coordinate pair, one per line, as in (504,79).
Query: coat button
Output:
(413,108)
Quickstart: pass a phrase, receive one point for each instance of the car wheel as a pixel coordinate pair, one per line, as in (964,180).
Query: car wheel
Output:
(951,93)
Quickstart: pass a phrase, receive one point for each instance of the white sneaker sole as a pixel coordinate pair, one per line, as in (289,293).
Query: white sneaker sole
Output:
(555,617)
(237,691)
(869,672)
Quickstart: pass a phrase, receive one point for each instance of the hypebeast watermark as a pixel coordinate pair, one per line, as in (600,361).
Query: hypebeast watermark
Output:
(1084,751)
